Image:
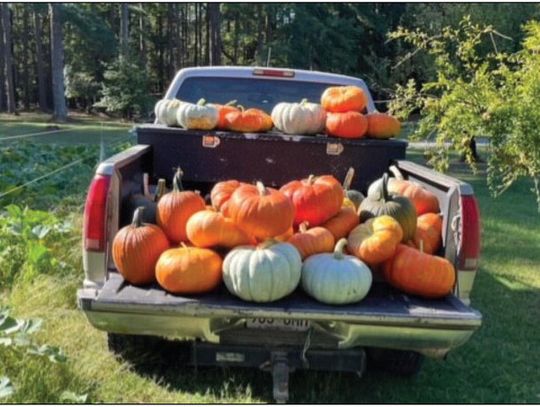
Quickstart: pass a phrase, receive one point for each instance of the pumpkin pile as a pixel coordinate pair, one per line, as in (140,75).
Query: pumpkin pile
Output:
(340,113)
(263,243)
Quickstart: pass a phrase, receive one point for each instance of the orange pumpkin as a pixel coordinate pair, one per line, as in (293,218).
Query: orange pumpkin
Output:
(429,232)
(245,121)
(176,207)
(224,110)
(222,191)
(423,200)
(417,273)
(209,228)
(266,118)
(261,212)
(285,236)
(341,224)
(315,199)
(189,270)
(344,99)
(375,240)
(312,241)
(382,126)
(136,249)
(346,125)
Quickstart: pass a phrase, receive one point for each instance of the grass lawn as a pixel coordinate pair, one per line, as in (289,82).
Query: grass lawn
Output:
(498,365)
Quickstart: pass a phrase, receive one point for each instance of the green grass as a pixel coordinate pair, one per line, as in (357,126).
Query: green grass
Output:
(499,364)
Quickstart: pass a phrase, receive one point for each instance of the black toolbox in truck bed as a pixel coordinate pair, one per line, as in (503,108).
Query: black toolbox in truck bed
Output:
(211,156)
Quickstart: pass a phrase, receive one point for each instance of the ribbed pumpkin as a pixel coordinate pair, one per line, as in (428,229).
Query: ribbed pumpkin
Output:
(176,207)
(136,249)
(246,121)
(264,273)
(354,196)
(346,125)
(166,110)
(336,278)
(341,224)
(417,273)
(398,207)
(382,126)
(189,270)
(423,200)
(429,232)
(299,118)
(209,228)
(267,122)
(262,212)
(221,193)
(197,116)
(222,111)
(340,99)
(312,241)
(375,240)
(315,199)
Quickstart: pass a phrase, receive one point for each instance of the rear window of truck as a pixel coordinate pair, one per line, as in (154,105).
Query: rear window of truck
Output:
(250,92)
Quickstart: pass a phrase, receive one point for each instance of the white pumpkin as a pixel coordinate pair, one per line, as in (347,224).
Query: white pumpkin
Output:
(299,118)
(156,109)
(336,278)
(263,273)
(197,116)
(166,111)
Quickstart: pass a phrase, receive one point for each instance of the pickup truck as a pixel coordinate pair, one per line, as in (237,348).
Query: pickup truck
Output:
(388,329)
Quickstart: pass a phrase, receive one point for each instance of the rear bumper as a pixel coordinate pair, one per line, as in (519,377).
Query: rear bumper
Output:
(432,333)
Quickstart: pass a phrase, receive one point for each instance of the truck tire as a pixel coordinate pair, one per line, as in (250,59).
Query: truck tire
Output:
(396,362)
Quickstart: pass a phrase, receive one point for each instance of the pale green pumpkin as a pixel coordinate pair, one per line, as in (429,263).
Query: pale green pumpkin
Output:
(336,278)
(263,273)
(299,118)
(198,116)
(166,111)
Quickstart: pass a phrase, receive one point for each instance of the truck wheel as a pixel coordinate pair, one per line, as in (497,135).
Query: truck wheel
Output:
(397,362)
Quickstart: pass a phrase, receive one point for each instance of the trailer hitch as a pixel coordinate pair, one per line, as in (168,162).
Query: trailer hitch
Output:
(280,377)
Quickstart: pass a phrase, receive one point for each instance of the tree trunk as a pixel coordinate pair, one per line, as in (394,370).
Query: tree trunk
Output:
(8,58)
(471,145)
(260,35)
(196,29)
(2,65)
(40,68)
(207,37)
(215,34)
(142,43)
(25,59)
(124,29)
(57,63)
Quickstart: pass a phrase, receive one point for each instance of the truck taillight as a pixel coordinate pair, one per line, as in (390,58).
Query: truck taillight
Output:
(469,250)
(280,73)
(95,214)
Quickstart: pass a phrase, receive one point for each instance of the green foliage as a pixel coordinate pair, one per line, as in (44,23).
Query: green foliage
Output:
(495,95)
(125,88)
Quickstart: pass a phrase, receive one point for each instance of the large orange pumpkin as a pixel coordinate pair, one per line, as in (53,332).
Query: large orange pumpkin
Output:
(375,240)
(266,118)
(175,208)
(260,211)
(417,273)
(344,99)
(189,270)
(346,125)
(221,193)
(382,126)
(428,232)
(246,121)
(423,200)
(223,110)
(312,241)
(210,228)
(315,199)
(136,249)
(341,224)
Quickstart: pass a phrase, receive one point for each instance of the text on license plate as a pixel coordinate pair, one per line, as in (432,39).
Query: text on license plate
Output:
(283,324)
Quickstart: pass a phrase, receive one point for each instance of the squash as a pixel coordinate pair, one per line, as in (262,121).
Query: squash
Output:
(429,232)
(312,241)
(189,270)
(398,207)
(197,116)
(147,200)
(346,125)
(299,118)
(375,240)
(166,110)
(267,122)
(245,121)
(265,273)
(339,99)
(136,249)
(210,228)
(262,212)
(336,278)
(223,110)
(315,199)
(382,126)
(417,273)
(221,193)
(341,224)
(353,196)
(176,207)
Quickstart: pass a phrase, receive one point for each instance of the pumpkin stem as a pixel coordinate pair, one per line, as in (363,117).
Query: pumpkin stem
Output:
(311,179)
(421,246)
(201,102)
(303,227)
(261,188)
(177,180)
(303,101)
(138,217)
(146,190)
(338,250)
(348,179)
(384,187)
(240,107)
(184,245)
(160,189)
(267,243)
(231,103)
(397,173)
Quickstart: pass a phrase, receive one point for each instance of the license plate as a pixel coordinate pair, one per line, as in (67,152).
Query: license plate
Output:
(298,325)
